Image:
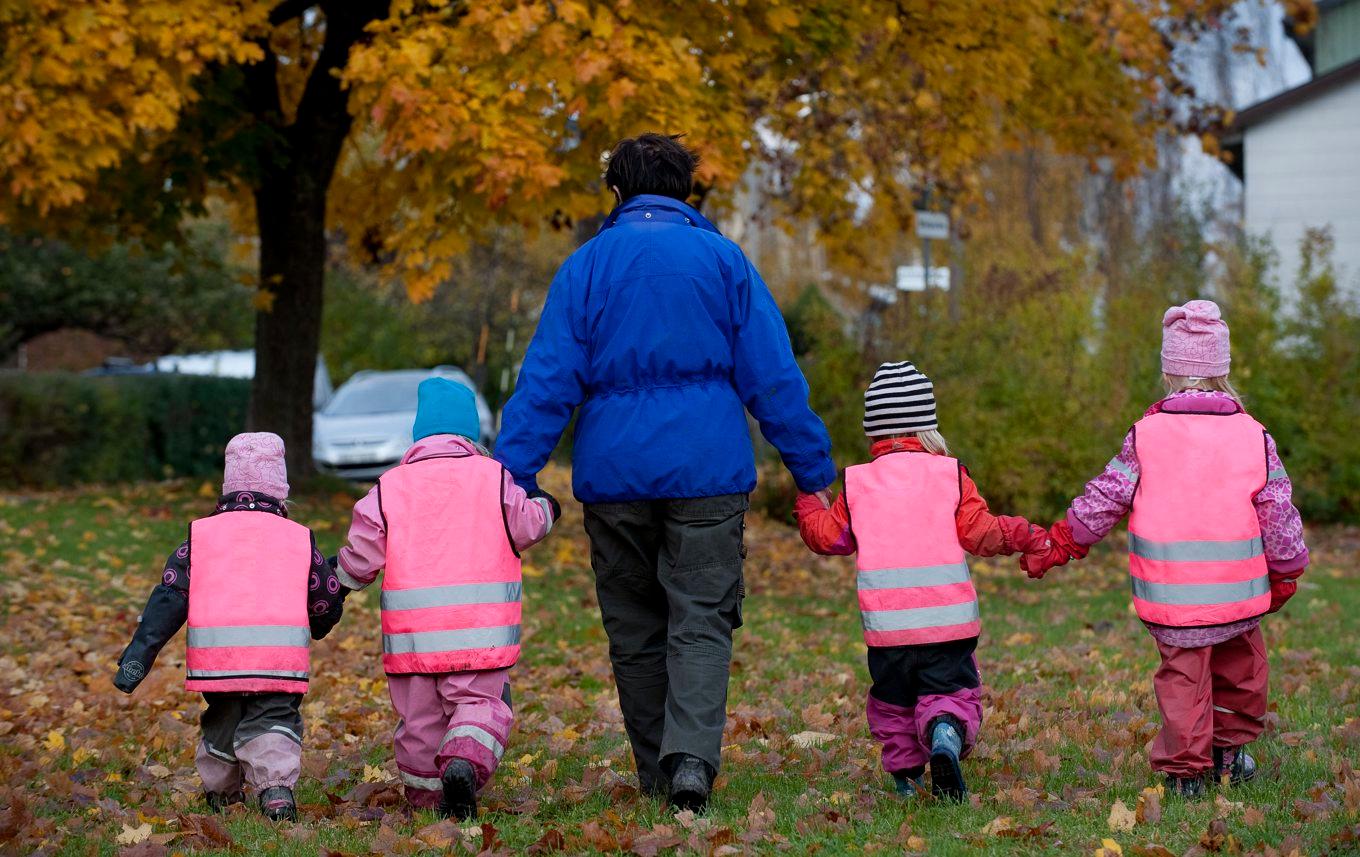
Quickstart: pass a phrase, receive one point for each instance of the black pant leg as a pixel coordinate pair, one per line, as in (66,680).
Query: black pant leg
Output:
(624,544)
(701,570)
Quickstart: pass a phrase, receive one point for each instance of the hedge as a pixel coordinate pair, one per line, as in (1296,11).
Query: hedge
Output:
(57,428)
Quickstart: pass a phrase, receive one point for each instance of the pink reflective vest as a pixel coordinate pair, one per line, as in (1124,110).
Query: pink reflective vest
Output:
(248,621)
(1195,550)
(451,589)
(913,581)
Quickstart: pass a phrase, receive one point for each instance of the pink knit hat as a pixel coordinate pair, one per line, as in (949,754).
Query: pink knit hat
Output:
(255,463)
(1195,341)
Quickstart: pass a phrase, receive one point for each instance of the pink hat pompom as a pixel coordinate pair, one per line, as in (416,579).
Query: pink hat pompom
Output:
(1195,341)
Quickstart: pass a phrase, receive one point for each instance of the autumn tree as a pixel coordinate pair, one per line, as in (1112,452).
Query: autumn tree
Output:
(406,128)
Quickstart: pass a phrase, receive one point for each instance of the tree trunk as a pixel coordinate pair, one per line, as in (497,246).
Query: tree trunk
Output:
(295,170)
(287,334)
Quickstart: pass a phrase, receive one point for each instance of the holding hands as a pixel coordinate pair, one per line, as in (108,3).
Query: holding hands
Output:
(1054,547)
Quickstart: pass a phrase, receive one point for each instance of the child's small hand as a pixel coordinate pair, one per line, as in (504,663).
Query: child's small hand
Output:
(1280,592)
(1037,563)
(809,503)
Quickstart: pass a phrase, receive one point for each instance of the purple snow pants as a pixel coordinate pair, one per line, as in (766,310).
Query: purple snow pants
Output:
(447,716)
(913,685)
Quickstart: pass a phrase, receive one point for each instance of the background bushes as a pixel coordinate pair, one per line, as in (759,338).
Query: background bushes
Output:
(1045,370)
(57,429)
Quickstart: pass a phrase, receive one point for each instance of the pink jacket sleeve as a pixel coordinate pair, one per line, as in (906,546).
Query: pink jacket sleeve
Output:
(1281,525)
(365,553)
(529,519)
(1107,498)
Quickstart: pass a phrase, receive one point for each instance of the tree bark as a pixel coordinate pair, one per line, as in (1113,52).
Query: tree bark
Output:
(295,170)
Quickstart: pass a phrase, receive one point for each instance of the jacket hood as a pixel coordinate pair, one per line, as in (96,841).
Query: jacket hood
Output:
(667,208)
(883,446)
(440,445)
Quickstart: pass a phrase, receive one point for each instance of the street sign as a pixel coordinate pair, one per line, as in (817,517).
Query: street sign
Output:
(932,224)
(912,278)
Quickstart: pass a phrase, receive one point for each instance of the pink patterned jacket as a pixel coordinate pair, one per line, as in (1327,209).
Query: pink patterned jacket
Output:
(1108,498)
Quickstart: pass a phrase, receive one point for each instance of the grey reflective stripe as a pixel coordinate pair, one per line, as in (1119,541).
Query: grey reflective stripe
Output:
(248,635)
(1123,468)
(478,734)
(451,596)
(426,783)
(247,673)
(1200,593)
(1276,474)
(346,579)
(279,727)
(425,642)
(218,753)
(913,578)
(1197,551)
(920,617)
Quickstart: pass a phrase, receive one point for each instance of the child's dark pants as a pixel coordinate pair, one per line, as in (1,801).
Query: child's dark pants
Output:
(252,736)
(913,685)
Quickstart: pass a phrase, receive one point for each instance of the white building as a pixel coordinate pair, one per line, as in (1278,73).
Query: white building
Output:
(1298,153)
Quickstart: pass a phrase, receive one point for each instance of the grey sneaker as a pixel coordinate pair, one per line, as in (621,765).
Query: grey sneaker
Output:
(1233,765)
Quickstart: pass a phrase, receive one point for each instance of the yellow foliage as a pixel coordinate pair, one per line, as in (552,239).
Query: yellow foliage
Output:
(469,114)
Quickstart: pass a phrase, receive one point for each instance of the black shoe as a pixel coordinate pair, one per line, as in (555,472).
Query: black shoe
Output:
(1190,788)
(946,746)
(217,801)
(653,786)
(691,783)
(460,791)
(1233,766)
(277,804)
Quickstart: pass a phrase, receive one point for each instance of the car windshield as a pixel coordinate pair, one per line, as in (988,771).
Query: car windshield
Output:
(381,394)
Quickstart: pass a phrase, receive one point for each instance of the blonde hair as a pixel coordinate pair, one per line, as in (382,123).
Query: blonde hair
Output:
(1181,383)
(930,439)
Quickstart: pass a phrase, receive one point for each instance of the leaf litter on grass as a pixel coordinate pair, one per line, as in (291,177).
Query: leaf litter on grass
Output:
(1060,764)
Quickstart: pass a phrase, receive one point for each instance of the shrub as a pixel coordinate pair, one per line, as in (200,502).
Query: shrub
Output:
(59,428)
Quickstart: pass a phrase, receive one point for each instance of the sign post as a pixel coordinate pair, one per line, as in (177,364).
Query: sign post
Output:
(930,225)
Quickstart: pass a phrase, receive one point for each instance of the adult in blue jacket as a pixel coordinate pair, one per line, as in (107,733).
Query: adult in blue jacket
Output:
(663,335)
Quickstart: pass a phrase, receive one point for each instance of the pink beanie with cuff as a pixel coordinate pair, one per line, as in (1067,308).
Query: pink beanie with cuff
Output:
(1195,341)
(255,462)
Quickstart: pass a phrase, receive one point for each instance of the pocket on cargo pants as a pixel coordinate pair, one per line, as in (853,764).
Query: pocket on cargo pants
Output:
(702,555)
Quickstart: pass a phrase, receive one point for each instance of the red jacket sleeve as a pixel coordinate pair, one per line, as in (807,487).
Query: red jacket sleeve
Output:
(824,531)
(983,534)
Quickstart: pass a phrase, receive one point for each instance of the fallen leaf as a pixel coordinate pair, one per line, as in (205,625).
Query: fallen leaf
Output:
(132,835)
(1109,848)
(1149,809)
(1121,818)
(806,740)
(160,772)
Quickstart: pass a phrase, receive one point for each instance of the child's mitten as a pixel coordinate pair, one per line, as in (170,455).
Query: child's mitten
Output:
(1281,590)
(1061,533)
(539,493)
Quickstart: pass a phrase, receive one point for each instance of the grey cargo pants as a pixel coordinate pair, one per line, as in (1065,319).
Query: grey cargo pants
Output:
(668,574)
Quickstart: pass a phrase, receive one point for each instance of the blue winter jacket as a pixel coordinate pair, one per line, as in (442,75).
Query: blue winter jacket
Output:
(660,330)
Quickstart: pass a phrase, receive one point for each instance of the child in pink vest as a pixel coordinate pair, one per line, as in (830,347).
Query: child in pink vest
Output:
(445,528)
(1214,543)
(910,515)
(253,588)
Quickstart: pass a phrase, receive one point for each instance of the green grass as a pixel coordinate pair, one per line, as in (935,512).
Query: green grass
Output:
(1069,709)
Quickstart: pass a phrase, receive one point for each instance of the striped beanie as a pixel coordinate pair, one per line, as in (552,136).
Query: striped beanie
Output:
(899,400)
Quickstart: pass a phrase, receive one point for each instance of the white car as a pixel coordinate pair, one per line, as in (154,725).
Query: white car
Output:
(365,428)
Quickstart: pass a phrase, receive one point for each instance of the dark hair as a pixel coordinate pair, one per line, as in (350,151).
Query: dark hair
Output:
(652,163)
